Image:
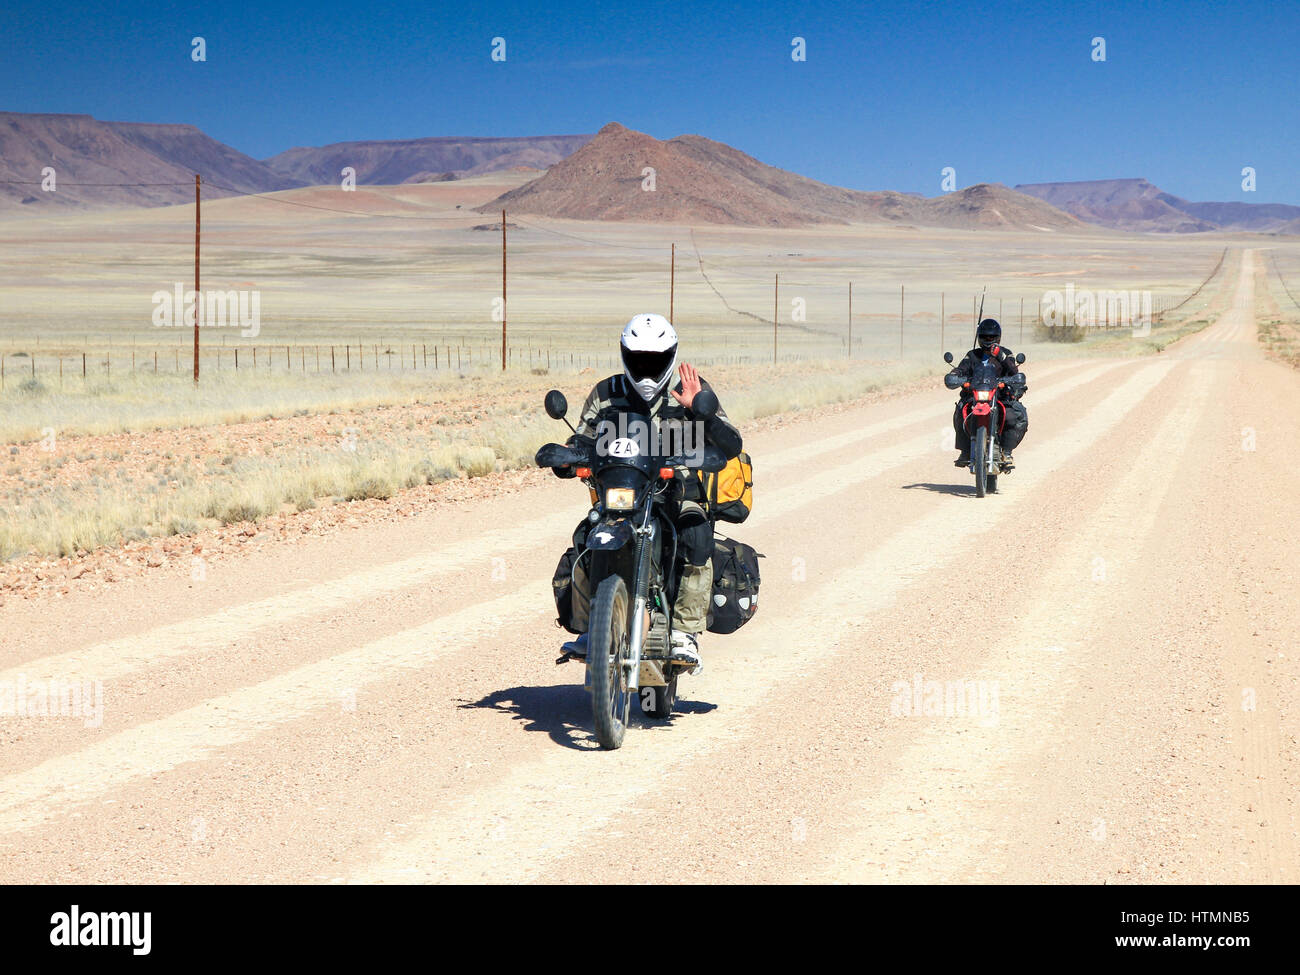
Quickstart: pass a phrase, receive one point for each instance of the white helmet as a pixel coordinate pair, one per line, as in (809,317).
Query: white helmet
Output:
(649,349)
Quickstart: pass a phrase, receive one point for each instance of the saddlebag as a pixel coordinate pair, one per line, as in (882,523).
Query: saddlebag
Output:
(562,582)
(563,586)
(735,585)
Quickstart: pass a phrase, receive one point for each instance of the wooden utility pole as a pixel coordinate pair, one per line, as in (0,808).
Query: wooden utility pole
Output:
(672,280)
(198,295)
(776,293)
(902,288)
(850,319)
(503,290)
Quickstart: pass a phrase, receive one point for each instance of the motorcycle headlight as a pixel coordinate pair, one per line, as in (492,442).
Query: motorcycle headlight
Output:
(983,394)
(620,499)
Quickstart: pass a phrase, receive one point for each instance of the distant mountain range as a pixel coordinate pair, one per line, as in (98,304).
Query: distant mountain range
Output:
(423,160)
(581,177)
(697,180)
(83,150)
(1136,205)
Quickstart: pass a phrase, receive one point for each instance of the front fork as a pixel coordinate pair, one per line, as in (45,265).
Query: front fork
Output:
(646,538)
(988,461)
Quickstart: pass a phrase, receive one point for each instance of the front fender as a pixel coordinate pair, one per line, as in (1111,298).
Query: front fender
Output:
(610,535)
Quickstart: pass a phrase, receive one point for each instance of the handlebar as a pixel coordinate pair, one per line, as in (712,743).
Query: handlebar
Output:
(556,455)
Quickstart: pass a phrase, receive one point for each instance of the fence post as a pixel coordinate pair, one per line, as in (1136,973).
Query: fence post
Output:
(332,366)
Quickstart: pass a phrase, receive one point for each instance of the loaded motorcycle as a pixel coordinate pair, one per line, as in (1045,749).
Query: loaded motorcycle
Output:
(632,547)
(984,416)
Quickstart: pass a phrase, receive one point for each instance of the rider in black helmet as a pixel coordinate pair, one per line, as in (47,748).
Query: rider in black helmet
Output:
(989,350)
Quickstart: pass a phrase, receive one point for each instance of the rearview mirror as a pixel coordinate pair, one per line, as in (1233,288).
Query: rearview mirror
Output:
(556,405)
(705,405)
(1020,357)
(947,357)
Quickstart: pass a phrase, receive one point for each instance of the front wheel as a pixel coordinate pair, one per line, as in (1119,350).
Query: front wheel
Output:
(607,654)
(980,455)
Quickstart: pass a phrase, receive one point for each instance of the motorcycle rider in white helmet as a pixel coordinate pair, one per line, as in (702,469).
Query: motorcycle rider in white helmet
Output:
(654,385)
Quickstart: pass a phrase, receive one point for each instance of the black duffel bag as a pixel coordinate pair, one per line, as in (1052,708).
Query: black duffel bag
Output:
(735,585)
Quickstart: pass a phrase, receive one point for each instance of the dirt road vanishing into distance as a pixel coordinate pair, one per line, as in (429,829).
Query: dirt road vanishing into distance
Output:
(1091,677)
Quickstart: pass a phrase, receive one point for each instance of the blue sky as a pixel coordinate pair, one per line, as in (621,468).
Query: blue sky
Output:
(890,93)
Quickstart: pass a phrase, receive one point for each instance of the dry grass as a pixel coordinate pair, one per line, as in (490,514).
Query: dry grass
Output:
(99,491)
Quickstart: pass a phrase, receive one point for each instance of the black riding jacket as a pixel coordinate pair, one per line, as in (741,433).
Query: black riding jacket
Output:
(1000,356)
(617,395)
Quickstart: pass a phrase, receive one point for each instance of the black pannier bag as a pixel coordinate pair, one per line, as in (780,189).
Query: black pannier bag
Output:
(735,585)
(563,586)
(562,582)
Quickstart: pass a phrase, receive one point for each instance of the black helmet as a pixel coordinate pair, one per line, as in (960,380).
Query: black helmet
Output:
(989,334)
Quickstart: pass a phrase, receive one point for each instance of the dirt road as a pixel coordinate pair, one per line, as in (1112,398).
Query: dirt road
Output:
(1103,657)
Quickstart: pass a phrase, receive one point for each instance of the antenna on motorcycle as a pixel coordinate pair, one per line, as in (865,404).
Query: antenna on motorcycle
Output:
(980,317)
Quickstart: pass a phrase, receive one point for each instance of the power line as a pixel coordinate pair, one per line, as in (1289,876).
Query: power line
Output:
(1278,272)
(244,194)
(359,213)
(41,182)
(585,240)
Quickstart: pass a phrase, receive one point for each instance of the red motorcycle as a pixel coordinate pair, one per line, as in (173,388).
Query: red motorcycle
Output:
(984,416)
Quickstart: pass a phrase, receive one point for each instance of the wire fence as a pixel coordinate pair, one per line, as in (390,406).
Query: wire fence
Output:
(808,314)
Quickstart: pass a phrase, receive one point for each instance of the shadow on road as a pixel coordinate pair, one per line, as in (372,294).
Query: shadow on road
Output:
(563,711)
(961,490)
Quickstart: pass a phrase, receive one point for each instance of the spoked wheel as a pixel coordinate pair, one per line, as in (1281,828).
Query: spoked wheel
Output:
(607,655)
(660,701)
(980,453)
